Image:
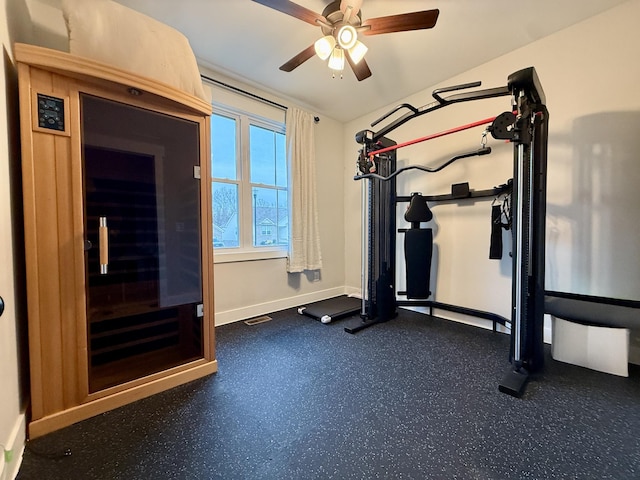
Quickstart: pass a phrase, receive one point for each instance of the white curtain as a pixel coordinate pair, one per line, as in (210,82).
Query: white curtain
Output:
(304,239)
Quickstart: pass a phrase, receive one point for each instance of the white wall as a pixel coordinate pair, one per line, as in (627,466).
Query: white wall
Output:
(590,75)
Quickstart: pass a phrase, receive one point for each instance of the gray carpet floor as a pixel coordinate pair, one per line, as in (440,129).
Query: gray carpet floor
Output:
(414,398)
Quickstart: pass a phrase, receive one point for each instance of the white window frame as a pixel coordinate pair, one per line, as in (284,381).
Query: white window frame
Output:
(246,251)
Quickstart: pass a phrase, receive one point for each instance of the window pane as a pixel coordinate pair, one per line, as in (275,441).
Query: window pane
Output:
(271,217)
(225,215)
(223,147)
(283,218)
(281,161)
(262,150)
(265,217)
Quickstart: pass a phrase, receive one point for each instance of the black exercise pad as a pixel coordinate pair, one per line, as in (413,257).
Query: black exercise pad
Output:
(592,312)
(418,210)
(332,308)
(418,247)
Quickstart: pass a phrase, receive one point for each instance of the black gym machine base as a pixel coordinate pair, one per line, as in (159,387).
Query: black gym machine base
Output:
(514,383)
(331,309)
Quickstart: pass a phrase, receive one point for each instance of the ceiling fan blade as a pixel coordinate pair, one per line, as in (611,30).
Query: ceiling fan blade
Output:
(361,69)
(293,9)
(350,8)
(401,23)
(299,59)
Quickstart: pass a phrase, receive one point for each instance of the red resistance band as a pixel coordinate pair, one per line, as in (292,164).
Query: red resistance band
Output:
(432,136)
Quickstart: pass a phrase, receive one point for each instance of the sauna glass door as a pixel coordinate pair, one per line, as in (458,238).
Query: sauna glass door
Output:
(142,241)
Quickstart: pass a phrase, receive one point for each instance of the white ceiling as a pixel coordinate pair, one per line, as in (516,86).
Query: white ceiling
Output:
(248,41)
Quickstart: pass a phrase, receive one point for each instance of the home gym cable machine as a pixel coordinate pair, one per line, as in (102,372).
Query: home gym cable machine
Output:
(526,126)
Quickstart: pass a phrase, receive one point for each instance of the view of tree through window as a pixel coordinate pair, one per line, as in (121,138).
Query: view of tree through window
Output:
(249,169)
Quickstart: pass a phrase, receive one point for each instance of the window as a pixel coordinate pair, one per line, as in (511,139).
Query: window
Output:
(249,180)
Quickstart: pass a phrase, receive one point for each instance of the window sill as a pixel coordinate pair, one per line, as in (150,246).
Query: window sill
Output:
(231,256)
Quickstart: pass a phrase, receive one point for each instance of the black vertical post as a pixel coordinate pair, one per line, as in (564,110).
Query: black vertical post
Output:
(538,234)
(381,295)
(529,201)
(384,235)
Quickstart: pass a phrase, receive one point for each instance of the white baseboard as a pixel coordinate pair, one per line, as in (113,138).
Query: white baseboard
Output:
(15,444)
(230,316)
(353,291)
(547,332)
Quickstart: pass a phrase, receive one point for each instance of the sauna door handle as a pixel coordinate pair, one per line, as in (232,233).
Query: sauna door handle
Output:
(103,235)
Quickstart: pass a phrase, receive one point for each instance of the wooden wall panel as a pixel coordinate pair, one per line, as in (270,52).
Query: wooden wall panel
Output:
(207,242)
(79,285)
(68,249)
(28,192)
(67,259)
(48,266)
(52,207)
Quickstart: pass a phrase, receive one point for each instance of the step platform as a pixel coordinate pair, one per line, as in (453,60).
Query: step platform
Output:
(331,309)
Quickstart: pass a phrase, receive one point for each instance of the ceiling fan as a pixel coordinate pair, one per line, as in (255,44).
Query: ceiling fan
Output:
(341,21)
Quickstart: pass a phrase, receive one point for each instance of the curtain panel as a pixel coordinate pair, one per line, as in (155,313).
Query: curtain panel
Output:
(304,241)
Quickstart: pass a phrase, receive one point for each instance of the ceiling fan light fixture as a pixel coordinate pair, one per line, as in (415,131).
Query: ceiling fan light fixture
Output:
(358,51)
(347,36)
(336,60)
(325,46)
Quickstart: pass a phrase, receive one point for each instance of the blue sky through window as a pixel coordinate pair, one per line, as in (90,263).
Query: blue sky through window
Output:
(268,159)
(223,147)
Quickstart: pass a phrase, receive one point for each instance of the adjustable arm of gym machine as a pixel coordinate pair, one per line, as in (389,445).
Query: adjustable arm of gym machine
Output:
(370,137)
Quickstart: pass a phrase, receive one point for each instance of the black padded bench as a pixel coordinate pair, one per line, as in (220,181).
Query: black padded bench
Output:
(590,310)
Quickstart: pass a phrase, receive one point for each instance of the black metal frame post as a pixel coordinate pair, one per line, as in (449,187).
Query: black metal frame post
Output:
(381,301)
(529,200)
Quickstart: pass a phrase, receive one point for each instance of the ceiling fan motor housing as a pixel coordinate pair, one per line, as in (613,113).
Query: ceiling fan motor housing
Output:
(335,17)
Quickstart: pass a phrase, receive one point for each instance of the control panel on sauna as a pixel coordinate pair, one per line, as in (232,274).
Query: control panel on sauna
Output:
(51,112)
